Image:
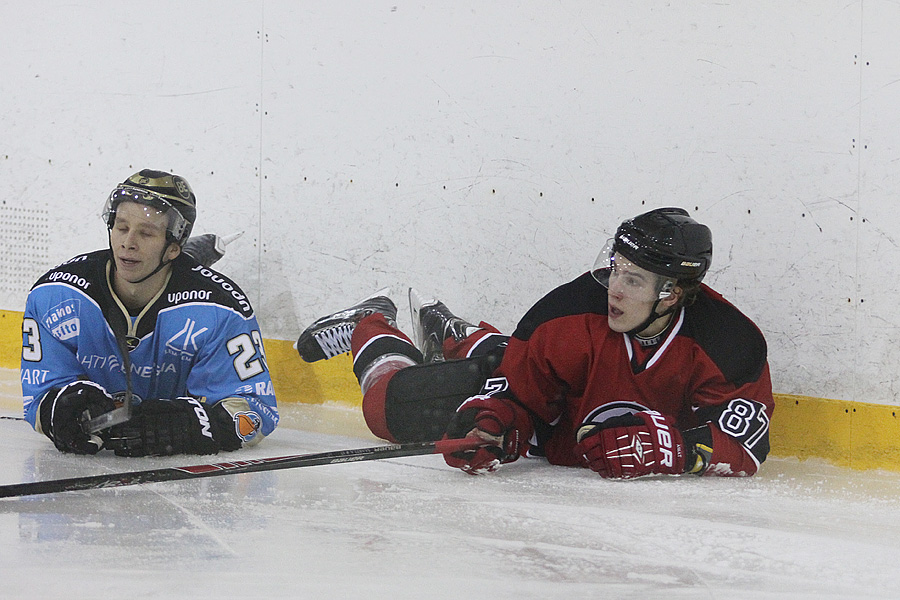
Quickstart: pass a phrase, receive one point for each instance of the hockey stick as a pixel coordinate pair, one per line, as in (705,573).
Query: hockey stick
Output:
(235,467)
(122,413)
(116,415)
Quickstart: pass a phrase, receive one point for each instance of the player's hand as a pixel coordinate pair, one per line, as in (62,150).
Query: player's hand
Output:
(165,427)
(64,416)
(632,445)
(492,420)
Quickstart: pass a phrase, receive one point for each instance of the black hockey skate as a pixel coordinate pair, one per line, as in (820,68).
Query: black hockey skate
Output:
(330,335)
(433,323)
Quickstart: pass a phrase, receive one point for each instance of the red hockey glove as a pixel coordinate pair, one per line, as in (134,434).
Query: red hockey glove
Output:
(632,445)
(491,419)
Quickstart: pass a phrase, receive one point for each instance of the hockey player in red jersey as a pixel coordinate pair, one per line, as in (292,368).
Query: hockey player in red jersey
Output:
(634,368)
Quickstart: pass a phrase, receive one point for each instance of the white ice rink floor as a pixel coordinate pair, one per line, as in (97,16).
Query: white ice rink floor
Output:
(414,528)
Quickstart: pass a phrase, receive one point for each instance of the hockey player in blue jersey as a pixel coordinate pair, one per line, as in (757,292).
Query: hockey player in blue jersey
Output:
(143,320)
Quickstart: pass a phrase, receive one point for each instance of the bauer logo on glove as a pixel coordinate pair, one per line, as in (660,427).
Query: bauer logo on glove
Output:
(632,446)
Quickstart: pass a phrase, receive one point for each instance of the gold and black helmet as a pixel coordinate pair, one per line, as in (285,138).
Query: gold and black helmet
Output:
(170,194)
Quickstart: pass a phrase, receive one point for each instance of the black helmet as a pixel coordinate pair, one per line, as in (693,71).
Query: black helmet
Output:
(160,190)
(666,241)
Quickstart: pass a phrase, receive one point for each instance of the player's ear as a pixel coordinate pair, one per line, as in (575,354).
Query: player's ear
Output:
(172,251)
(674,297)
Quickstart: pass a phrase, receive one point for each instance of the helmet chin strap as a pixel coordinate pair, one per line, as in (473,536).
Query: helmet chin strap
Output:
(651,318)
(159,267)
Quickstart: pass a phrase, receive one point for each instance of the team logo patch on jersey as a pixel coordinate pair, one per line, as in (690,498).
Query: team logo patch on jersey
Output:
(246,425)
(184,343)
(62,320)
(613,409)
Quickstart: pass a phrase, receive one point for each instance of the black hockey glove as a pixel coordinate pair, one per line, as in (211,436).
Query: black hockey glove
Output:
(166,427)
(64,415)
(206,249)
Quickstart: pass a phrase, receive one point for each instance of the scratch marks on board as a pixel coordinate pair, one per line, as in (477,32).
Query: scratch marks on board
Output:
(726,197)
(176,95)
(825,203)
(882,233)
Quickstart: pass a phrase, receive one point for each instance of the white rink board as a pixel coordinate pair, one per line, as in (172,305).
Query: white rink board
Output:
(481,152)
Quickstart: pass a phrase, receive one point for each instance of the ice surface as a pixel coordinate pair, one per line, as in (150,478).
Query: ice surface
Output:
(414,528)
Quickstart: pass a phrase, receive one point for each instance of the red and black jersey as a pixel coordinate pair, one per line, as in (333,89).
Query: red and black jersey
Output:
(567,368)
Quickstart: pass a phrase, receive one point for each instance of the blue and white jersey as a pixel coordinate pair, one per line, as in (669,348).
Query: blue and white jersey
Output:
(198,337)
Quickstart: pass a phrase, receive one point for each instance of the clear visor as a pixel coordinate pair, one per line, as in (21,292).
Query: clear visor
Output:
(153,204)
(621,276)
